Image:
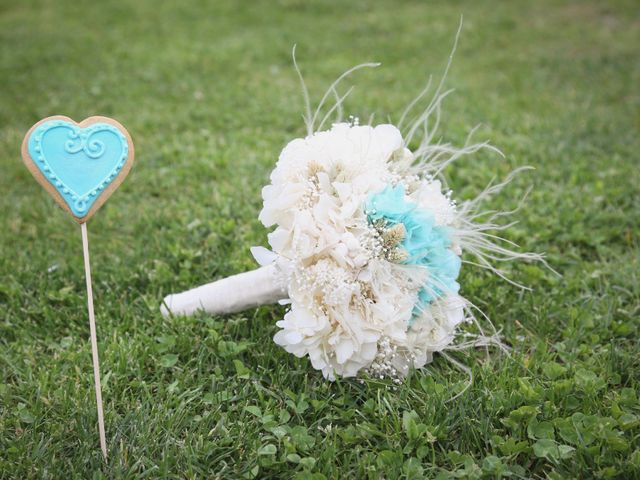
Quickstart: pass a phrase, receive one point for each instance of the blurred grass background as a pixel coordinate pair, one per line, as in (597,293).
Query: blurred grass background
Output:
(208,92)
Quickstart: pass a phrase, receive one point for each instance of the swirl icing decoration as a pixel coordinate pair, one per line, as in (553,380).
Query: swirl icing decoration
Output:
(79,164)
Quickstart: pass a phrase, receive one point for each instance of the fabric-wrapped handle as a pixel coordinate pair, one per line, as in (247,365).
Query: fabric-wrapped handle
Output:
(228,295)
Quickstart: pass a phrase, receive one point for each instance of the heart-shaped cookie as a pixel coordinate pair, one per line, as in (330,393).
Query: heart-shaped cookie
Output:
(79,164)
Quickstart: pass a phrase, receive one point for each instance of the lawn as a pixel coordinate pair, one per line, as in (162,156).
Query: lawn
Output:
(210,96)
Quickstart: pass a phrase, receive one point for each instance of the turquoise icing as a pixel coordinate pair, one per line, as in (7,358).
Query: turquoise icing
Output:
(79,163)
(426,243)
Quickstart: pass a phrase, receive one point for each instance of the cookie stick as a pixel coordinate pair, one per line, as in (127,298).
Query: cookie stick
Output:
(94,340)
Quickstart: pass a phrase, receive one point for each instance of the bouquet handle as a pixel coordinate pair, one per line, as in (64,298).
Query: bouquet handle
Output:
(228,295)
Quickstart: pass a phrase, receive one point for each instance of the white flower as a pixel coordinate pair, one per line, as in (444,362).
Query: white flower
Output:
(433,329)
(428,195)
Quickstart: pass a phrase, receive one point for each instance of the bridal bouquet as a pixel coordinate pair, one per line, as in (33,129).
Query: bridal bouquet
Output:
(366,247)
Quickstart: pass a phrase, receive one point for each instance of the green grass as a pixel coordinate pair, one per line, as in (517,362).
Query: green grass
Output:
(209,94)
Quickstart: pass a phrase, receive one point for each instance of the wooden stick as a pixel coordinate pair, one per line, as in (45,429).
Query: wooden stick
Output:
(94,340)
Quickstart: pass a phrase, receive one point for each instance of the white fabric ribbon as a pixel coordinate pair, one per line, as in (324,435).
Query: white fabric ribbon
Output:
(232,294)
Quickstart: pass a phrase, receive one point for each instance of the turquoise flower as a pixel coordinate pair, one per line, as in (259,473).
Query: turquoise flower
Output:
(425,243)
